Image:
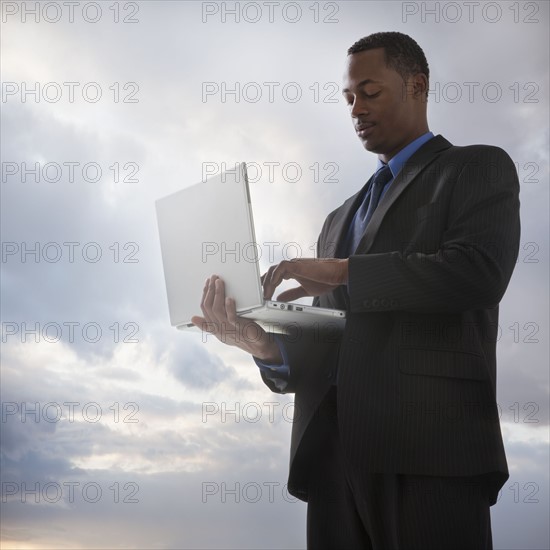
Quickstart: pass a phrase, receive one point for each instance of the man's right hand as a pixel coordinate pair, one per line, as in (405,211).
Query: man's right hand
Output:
(221,320)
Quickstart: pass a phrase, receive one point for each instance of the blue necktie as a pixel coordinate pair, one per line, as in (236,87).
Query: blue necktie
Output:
(369,204)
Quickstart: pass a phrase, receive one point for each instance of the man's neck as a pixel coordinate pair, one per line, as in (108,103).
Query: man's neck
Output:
(386,157)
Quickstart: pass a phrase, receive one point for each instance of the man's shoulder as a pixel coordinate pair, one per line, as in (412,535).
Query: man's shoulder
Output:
(441,159)
(481,150)
(490,161)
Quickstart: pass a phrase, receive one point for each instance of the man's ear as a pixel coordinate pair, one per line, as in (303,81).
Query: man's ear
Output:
(419,86)
(415,87)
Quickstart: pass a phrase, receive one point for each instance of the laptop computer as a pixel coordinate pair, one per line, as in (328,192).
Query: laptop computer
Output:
(208,229)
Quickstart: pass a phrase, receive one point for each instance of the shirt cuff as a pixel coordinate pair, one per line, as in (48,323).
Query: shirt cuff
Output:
(276,373)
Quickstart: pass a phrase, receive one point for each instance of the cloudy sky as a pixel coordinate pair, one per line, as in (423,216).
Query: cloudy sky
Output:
(119,431)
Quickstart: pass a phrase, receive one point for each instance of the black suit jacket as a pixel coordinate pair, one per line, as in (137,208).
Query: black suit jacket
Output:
(416,362)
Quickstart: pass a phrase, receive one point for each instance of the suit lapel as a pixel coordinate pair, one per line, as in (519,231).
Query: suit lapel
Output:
(411,169)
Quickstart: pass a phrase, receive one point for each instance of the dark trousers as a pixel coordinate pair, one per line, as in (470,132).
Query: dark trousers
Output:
(350,509)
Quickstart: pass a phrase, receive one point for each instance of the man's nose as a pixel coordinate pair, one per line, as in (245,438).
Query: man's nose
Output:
(358,108)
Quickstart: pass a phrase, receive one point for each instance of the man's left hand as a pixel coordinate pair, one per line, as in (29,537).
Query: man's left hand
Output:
(316,276)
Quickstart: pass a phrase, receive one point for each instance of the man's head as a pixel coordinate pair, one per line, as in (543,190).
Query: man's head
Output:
(385,86)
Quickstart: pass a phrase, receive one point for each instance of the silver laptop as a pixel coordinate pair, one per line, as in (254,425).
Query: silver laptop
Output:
(208,229)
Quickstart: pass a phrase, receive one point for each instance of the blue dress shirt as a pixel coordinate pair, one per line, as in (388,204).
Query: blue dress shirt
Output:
(278,374)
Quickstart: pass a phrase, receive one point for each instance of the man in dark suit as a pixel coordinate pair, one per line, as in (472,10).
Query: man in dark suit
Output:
(396,442)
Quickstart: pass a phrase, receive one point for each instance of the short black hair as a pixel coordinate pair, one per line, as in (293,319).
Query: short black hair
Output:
(401,52)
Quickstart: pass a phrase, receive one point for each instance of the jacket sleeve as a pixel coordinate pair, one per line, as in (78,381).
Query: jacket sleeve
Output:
(477,253)
(311,357)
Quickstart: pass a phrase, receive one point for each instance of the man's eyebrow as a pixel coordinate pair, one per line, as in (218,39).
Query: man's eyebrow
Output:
(362,83)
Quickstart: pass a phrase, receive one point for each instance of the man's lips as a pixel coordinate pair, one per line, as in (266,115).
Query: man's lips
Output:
(364,129)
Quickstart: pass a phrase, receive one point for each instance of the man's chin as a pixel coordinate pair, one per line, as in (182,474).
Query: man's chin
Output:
(370,145)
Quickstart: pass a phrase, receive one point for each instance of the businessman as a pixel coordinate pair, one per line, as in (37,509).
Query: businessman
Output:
(397,444)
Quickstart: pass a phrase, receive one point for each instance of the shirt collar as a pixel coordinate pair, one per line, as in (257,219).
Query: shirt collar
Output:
(396,162)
